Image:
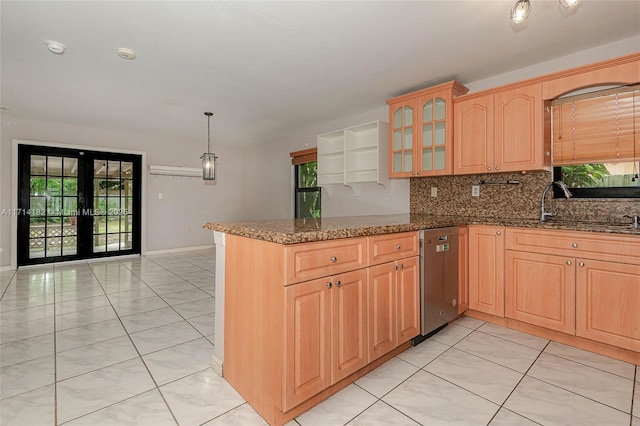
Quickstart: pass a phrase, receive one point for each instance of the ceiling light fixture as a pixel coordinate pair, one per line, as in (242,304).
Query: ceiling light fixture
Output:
(55,47)
(520,10)
(125,53)
(208,158)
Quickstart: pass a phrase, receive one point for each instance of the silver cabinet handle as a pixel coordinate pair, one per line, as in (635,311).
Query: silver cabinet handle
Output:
(338,283)
(398,247)
(497,167)
(498,233)
(568,262)
(419,173)
(581,264)
(401,266)
(413,173)
(488,169)
(574,245)
(333,259)
(329,284)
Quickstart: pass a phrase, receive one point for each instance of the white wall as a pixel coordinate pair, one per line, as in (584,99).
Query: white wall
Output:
(187,204)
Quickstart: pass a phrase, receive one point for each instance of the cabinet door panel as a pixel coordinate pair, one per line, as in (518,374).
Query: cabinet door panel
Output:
(307,341)
(540,290)
(349,328)
(607,299)
(473,135)
(323,258)
(519,126)
(407,299)
(402,138)
(486,269)
(390,247)
(382,295)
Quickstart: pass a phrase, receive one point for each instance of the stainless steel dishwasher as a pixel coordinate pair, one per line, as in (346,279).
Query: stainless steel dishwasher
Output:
(438,280)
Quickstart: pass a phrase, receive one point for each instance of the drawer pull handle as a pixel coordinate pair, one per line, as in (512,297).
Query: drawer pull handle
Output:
(329,284)
(398,247)
(498,233)
(333,259)
(338,283)
(569,262)
(581,264)
(574,245)
(497,167)
(401,266)
(488,169)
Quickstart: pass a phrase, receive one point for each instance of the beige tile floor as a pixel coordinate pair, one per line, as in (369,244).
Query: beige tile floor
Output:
(129,342)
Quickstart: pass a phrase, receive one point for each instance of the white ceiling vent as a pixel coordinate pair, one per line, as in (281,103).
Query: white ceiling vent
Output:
(125,53)
(55,47)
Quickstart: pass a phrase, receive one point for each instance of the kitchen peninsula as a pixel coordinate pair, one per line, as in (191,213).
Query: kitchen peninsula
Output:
(301,313)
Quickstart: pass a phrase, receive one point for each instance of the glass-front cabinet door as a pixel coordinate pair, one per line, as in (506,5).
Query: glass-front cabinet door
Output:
(435,149)
(421,131)
(403,120)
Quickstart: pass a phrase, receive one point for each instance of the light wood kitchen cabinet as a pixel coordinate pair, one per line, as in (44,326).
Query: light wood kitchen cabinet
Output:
(394,308)
(486,269)
(388,247)
(540,290)
(608,301)
(502,131)
(421,131)
(463,269)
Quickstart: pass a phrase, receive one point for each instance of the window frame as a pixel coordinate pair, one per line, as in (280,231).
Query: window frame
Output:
(608,193)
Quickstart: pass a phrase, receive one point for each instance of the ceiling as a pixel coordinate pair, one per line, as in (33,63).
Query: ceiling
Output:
(268,68)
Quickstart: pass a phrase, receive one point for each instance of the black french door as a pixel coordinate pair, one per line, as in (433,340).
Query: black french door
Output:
(77,204)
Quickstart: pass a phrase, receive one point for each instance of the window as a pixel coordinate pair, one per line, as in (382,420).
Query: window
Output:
(595,147)
(307,192)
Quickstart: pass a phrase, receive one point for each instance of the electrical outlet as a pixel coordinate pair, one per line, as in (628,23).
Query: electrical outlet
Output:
(434,191)
(475,190)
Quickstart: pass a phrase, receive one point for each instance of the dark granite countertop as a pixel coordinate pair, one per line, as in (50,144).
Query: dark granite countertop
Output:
(292,231)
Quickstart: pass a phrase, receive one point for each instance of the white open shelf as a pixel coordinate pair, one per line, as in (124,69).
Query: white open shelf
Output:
(355,155)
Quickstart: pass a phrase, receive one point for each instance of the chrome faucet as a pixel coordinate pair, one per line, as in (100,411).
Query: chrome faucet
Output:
(543,213)
(636,218)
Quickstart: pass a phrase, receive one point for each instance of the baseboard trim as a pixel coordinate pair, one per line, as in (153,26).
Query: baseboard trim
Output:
(217,365)
(6,268)
(178,249)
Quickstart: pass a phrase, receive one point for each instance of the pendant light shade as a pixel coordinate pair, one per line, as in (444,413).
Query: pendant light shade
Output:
(569,3)
(208,158)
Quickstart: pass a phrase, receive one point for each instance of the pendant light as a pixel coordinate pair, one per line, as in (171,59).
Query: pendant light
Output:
(208,158)
(520,10)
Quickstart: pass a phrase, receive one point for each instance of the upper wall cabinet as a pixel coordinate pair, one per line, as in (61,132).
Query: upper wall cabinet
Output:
(504,131)
(354,156)
(421,131)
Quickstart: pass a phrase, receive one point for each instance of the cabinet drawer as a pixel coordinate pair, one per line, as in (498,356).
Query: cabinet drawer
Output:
(589,245)
(390,247)
(319,259)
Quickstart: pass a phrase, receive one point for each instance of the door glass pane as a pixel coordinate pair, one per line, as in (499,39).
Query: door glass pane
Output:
(70,167)
(38,165)
(54,227)
(70,207)
(54,186)
(99,243)
(440,158)
(69,246)
(126,170)
(36,248)
(54,247)
(100,205)
(427,134)
(427,159)
(427,111)
(126,243)
(127,185)
(100,168)
(126,223)
(54,166)
(99,224)
(38,185)
(37,227)
(440,130)
(440,109)
(69,226)
(37,206)
(113,205)
(408,116)
(99,187)
(397,140)
(127,205)
(407,161)
(113,169)
(113,224)
(113,242)
(70,186)
(397,162)
(397,118)
(408,138)
(54,206)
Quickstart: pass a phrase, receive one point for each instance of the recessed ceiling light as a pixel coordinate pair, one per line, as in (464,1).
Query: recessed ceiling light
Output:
(55,47)
(125,53)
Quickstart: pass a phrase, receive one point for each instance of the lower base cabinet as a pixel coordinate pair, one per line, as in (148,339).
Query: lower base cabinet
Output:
(607,303)
(540,290)
(394,308)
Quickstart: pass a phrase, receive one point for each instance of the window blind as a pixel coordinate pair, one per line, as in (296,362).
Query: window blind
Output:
(304,156)
(596,128)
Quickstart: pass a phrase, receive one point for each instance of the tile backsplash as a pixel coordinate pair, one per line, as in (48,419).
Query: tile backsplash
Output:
(510,200)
